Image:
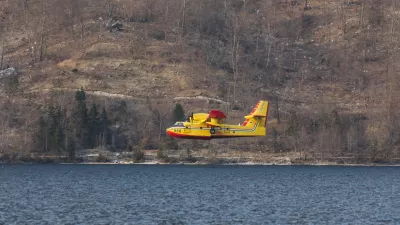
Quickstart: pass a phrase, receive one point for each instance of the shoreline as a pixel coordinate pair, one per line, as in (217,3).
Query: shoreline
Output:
(201,160)
(151,163)
(239,164)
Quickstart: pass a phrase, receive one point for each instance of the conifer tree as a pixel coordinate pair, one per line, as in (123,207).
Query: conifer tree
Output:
(51,123)
(41,137)
(93,125)
(179,113)
(52,129)
(57,135)
(104,122)
(79,119)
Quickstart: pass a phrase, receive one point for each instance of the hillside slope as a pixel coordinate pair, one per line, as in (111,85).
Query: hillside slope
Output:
(329,69)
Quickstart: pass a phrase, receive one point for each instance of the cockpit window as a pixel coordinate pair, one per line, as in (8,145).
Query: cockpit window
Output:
(178,124)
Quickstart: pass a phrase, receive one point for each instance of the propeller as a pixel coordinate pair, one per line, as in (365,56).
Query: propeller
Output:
(190,118)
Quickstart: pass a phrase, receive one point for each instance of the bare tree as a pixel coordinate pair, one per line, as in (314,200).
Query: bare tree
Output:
(183,19)
(235,55)
(2,38)
(2,46)
(362,15)
(343,17)
(71,13)
(160,118)
(44,29)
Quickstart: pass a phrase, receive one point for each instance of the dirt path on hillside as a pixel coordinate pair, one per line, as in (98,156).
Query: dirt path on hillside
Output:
(123,96)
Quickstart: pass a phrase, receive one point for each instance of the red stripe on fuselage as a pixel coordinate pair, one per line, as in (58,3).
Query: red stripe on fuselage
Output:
(185,136)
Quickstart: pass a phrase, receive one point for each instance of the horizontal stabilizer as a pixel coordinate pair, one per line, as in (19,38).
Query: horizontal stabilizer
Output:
(260,111)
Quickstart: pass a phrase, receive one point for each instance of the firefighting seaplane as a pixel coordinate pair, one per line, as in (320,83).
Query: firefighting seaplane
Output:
(208,126)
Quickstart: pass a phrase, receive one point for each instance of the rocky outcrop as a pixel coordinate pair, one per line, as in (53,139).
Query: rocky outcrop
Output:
(114,25)
(9,72)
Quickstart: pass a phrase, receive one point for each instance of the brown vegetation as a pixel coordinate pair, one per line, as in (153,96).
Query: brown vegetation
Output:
(329,69)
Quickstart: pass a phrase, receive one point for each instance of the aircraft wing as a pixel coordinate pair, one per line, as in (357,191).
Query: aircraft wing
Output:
(216,114)
(213,118)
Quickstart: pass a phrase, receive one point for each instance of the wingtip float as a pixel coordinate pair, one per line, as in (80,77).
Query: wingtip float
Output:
(208,126)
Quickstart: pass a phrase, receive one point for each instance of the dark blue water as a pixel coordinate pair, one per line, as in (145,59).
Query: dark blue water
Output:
(157,194)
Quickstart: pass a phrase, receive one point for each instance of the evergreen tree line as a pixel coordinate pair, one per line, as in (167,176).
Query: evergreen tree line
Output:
(82,128)
(65,131)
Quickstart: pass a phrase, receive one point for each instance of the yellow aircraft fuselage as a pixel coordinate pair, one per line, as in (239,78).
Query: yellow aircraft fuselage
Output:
(208,126)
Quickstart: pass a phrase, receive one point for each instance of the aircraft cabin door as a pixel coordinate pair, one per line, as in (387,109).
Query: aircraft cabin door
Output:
(226,129)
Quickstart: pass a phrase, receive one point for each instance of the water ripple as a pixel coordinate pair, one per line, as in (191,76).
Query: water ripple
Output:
(143,194)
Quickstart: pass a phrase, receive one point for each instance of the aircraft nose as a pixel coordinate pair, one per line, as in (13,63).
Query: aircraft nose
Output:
(170,132)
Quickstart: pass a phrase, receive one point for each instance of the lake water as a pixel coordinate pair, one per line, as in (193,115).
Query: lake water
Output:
(183,194)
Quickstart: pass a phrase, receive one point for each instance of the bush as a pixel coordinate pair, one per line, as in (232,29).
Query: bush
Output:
(170,160)
(102,158)
(9,158)
(160,154)
(45,160)
(213,161)
(158,35)
(188,157)
(4,157)
(78,160)
(191,159)
(74,70)
(165,159)
(11,84)
(26,159)
(138,156)
(236,107)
